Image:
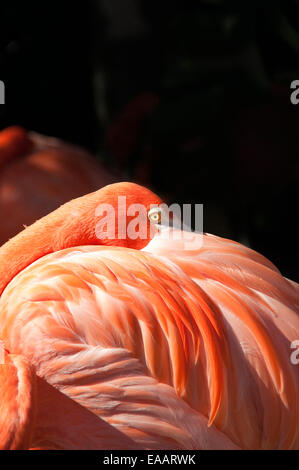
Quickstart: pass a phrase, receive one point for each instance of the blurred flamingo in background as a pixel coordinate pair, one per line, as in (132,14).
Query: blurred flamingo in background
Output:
(38,174)
(146,343)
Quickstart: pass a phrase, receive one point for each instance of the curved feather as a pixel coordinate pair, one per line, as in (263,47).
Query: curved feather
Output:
(174,347)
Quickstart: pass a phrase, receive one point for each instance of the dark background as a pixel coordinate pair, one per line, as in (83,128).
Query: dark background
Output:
(189,98)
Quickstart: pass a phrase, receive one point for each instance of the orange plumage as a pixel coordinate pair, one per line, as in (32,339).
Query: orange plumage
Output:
(38,174)
(153,344)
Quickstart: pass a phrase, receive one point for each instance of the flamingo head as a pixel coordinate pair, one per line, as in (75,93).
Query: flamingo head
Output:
(14,142)
(126,215)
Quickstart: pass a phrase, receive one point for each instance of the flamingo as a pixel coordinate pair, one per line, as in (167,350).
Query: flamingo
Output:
(146,343)
(38,174)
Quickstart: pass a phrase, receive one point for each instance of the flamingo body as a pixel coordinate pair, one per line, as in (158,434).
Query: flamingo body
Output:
(159,347)
(38,174)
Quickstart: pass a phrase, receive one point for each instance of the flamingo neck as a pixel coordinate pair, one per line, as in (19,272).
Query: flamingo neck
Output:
(69,226)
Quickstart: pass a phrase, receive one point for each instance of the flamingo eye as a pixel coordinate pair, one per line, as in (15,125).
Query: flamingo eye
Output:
(155,215)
